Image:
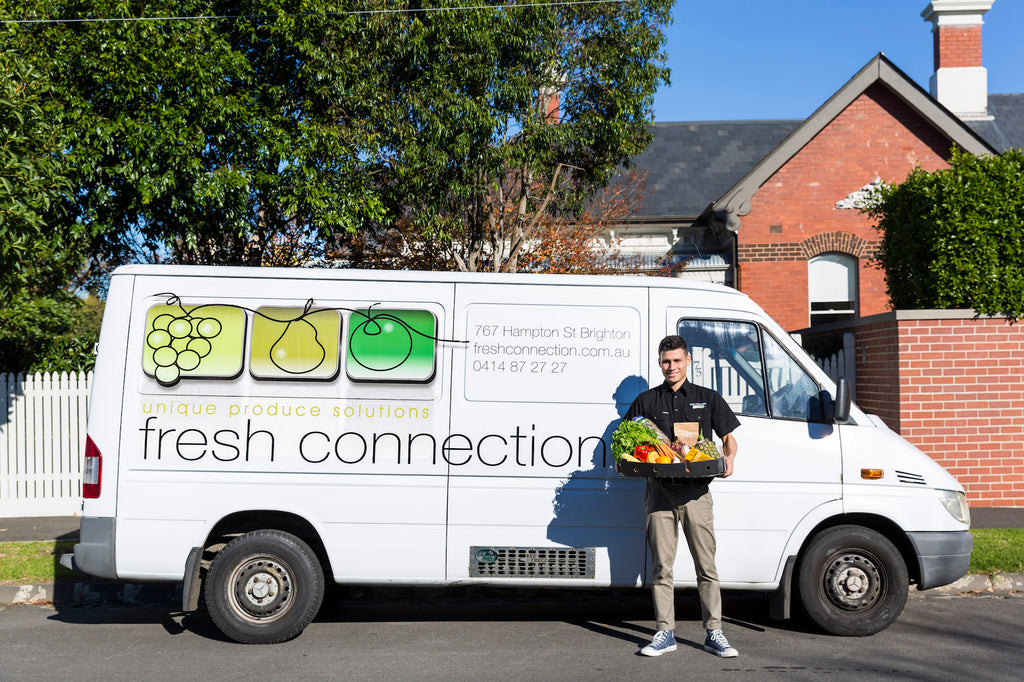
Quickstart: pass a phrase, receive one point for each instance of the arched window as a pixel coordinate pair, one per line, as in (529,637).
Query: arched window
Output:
(832,287)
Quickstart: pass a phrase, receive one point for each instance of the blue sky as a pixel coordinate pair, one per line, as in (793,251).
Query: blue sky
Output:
(767,59)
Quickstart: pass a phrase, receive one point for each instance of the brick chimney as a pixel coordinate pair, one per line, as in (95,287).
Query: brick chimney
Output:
(960,82)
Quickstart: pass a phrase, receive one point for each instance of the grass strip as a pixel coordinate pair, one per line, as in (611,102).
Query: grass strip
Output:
(21,563)
(998,550)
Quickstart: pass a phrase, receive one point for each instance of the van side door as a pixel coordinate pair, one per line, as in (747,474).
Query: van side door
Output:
(546,375)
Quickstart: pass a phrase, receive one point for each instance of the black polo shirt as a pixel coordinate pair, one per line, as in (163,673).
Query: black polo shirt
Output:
(691,403)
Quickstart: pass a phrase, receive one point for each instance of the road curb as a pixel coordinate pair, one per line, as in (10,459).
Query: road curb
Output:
(92,594)
(974,584)
(169,594)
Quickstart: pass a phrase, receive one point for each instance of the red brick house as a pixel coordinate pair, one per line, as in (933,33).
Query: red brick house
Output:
(799,203)
(772,208)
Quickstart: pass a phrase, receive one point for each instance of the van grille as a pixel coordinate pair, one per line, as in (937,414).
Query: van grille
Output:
(531,562)
(905,477)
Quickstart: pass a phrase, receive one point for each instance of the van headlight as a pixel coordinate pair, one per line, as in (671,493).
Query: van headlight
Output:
(956,504)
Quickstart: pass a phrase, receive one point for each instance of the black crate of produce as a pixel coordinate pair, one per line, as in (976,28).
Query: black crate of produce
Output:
(709,467)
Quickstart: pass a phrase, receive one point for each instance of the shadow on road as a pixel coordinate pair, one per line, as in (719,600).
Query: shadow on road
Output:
(623,614)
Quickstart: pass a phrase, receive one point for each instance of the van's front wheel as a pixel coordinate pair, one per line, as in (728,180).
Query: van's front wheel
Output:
(264,587)
(853,581)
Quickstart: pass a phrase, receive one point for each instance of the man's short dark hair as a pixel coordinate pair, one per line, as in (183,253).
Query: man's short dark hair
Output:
(673,342)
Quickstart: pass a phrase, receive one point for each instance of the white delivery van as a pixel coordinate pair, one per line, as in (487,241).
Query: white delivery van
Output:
(255,433)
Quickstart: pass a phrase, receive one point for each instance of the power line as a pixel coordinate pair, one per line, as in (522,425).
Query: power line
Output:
(421,10)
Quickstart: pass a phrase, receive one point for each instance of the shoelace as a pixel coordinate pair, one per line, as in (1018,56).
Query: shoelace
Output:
(660,637)
(718,638)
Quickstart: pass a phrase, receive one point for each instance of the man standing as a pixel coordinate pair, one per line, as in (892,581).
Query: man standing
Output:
(670,502)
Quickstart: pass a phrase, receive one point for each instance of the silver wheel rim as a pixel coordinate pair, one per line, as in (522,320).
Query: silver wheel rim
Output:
(852,581)
(261,589)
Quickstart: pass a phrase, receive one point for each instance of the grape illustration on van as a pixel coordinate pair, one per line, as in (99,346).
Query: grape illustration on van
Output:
(198,342)
(288,343)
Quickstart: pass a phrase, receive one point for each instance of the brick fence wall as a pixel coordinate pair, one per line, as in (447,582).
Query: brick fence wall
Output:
(953,385)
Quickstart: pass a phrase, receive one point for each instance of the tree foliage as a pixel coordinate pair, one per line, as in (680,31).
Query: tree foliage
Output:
(54,333)
(225,140)
(568,244)
(955,238)
(31,177)
(200,141)
(475,156)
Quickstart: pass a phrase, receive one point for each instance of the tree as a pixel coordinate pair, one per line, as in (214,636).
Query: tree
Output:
(955,238)
(504,118)
(53,333)
(43,326)
(31,177)
(568,244)
(202,141)
(213,140)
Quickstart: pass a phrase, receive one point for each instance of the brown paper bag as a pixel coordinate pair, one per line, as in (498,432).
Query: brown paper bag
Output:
(687,433)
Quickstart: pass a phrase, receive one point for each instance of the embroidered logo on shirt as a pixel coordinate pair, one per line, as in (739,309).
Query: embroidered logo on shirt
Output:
(698,406)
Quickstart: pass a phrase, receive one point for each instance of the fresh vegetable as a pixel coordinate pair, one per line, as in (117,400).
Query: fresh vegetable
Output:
(629,435)
(643,441)
(661,437)
(663,450)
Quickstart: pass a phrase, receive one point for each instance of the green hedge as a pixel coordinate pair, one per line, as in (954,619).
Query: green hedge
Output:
(955,238)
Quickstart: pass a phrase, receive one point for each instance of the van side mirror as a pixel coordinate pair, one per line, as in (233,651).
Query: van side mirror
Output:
(841,411)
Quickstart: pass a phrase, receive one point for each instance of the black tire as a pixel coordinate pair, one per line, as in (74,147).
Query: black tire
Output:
(264,587)
(853,581)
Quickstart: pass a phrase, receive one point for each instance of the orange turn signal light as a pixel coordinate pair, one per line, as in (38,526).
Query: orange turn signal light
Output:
(872,474)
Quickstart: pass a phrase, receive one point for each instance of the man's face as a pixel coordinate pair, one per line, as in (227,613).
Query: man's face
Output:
(674,364)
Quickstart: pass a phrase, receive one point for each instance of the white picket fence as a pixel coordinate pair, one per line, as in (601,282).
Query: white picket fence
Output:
(42,443)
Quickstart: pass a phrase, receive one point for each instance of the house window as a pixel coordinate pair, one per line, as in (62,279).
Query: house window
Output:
(832,287)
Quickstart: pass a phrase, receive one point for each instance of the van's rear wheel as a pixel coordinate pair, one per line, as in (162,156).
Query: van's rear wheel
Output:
(264,587)
(853,581)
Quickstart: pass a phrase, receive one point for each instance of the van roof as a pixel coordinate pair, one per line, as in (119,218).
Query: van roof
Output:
(423,276)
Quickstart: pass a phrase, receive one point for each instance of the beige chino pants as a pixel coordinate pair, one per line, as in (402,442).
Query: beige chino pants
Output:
(669,506)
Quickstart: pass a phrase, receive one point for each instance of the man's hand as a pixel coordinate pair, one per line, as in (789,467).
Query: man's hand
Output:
(729,449)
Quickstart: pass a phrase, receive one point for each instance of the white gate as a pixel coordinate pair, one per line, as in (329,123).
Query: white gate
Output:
(42,443)
(843,363)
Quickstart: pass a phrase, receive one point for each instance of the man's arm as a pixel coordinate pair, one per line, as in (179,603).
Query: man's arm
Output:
(729,449)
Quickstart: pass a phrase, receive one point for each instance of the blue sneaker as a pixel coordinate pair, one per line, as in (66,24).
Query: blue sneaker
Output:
(663,642)
(717,644)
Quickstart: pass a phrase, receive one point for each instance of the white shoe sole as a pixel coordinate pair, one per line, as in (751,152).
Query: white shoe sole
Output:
(732,653)
(648,651)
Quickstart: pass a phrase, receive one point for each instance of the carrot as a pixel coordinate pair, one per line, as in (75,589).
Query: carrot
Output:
(664,449)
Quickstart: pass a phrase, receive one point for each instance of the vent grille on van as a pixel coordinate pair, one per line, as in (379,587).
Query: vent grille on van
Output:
(531,562)
(905,477)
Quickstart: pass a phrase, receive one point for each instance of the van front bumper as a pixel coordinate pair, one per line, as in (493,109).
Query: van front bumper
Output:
(94,554)
(942,557)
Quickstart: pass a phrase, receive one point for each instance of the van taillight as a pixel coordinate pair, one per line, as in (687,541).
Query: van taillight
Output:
(93,474)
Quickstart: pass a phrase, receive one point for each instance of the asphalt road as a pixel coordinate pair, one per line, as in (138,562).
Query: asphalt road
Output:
(472,636)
